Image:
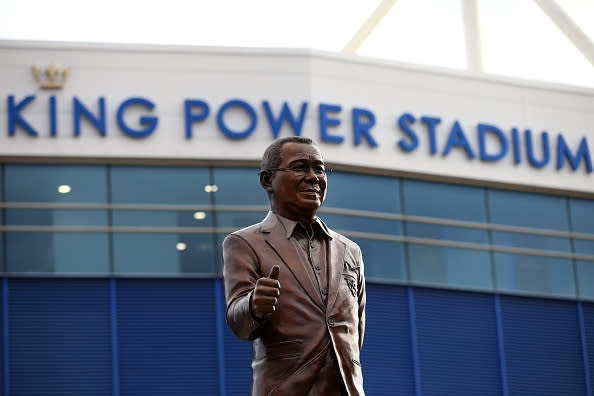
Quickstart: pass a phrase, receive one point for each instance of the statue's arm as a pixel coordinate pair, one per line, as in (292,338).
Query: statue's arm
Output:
(241,270)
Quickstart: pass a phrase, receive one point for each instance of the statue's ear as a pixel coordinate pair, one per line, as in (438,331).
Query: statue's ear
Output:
(266,180)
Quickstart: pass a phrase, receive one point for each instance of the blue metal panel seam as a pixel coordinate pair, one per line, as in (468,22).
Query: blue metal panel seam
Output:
(5,335)
(220,322)
(500,345)
(413,341)
(584,347)
(114,338)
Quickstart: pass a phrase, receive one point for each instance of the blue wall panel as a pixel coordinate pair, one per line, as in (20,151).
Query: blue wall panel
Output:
(588,310)
(386,357)
(167,337)
(542,346)
(238,360)
(60,341)
(3,340)
(59,337)
(457,343)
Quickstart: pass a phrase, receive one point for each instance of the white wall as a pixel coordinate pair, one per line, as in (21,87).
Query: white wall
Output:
(169,75)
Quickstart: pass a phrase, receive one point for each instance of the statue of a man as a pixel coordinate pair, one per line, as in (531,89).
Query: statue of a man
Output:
(295,288)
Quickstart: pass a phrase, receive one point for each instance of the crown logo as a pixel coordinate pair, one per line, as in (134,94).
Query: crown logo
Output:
(51,77)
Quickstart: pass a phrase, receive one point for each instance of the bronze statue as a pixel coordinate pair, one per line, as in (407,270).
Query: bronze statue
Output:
(295,288)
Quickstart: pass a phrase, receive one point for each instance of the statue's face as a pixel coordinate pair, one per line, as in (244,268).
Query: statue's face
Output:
(298,194)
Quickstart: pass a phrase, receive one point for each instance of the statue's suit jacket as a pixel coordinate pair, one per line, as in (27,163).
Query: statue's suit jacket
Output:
(290,347)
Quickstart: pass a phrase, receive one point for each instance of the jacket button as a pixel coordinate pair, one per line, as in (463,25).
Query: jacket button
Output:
(331,321)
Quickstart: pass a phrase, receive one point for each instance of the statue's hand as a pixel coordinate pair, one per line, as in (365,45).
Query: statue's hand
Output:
(265,295)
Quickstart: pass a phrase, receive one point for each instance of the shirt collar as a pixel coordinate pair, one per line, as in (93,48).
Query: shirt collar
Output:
(317,225)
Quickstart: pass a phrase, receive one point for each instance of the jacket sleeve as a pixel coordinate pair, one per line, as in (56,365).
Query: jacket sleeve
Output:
(241,270)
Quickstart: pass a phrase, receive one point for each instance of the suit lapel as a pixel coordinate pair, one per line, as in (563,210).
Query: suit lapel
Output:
(290,256)
(335,267)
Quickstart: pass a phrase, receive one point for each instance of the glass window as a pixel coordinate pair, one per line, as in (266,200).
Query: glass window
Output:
(363,192)
(383,259)
(544,275)
(526,210)
(528,241)
(162,218)
(361,224)
(160,185)
(447,233)
(585,278)
(59,252)
(56,217)
(450,266)
(582,222)
(160,253)
(239,186)
(55,183)
(238,219)
(446,201)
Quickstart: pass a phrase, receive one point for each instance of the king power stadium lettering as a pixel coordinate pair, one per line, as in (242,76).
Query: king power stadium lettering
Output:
(486,142)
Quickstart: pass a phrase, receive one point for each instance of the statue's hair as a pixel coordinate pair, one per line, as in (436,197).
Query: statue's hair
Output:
(272,156)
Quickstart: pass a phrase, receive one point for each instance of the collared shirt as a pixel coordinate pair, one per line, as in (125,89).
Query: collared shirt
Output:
(312,243)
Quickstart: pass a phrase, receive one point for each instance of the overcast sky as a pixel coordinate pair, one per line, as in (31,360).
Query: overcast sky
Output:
(518,39)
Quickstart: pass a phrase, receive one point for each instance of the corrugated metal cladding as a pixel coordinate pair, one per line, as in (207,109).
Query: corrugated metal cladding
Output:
(131,337)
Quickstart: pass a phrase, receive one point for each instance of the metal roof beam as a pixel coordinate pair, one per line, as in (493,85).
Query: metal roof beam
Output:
(368,26)
(568,27)
(472,35)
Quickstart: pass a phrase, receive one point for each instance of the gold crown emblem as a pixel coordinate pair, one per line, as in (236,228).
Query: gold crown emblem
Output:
(51,77)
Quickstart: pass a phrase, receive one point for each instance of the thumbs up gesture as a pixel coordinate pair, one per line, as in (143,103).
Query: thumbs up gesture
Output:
(265,295)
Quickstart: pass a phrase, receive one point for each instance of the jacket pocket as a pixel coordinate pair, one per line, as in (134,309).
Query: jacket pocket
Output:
(356,362)
(283,350)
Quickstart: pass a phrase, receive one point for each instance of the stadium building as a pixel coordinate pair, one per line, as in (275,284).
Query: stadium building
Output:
(124,167)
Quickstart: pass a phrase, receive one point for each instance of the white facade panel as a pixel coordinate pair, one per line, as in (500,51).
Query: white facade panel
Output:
(458,103)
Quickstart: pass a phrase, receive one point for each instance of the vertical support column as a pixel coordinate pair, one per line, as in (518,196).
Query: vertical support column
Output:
(412,320)
(582,325)
(220,322)
(115,358)
(472,35)
(5,361)
(501,345)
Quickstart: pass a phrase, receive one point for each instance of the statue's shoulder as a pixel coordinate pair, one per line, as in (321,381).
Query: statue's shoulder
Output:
(249,230)
(258,228)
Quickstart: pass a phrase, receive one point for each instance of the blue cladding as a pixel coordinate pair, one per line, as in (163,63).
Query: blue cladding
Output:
(59,337)
(457,343)
(167,337)
(542,347)
(386,356)
(238,360)
(588,310)
(60,341)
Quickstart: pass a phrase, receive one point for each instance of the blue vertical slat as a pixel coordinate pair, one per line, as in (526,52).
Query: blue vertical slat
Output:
(501,345)
(115,359)
(59,337)
(238,359)
(167,337)
(414,342)
(543,350)
(587,310)
(220,323)
(4,332)
(386,358)
(457,343)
